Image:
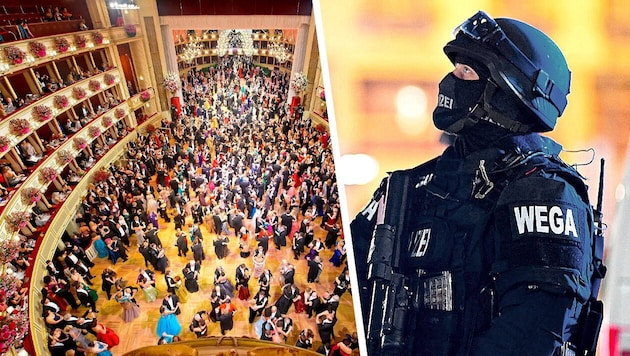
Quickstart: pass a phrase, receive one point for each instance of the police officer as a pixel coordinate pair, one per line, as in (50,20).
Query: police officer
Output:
(496,241)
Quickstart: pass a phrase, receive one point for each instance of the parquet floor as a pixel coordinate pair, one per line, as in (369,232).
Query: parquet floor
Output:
(141,331)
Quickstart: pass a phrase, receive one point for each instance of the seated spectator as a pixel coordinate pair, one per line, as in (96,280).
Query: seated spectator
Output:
(12,178)
(48,15)
(9,107)
(66,14)
(29,155)
(57,14)
(23,31)
(82,26)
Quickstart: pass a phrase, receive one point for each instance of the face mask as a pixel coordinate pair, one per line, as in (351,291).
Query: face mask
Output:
(455,100)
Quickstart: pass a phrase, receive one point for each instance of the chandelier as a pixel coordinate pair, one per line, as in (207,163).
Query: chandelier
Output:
(192,50)
(124,5)
(279,51)
(231,41)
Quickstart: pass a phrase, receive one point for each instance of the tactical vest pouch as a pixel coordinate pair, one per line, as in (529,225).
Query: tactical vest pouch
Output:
(431,245)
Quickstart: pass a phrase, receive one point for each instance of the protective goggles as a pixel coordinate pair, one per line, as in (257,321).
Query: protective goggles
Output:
(484,29)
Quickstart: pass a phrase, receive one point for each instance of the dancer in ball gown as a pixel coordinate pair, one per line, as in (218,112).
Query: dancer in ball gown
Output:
(101,248)
(126,298)
(168,323)
(221,281)
(103,333)
(339,255)
(259,262)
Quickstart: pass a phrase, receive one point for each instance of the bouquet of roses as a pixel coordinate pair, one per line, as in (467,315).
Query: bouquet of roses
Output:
(107,121)
(65,156)
(14,322)
(109,79)
(14,54)
(145,96)
(17,220)
(98,37)
(81,41)
(38,48)
(299,82)
(120,112)
(20,126)
(94,131)
(130,30)
(48,174)
(94,85)
(62,44)
(31,195)
(9,250)
(42,113)
(79,93)
(4,143)
(171,82)
(61,101)
(80,143)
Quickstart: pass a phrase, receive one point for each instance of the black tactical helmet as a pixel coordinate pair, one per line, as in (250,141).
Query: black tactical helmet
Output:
(522,60)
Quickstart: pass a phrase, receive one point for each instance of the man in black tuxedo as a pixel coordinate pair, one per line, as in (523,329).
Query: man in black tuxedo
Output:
(171,303)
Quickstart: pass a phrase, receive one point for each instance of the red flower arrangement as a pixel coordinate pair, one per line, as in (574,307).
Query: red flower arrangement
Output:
(98,37)
(130,29)
(94,131)
(20,126)
(62,44)
(14,54)
(100,175)
(64,156)
(42,113)
(9,250)
(81,41)
(107,121)
(31,195)
(94,85)
(17,220)
(48,174)
(4,143)
(145,96)
(61,101)
(120,112)
(13,321)
(109,79)
(38,48)
(80,143)
(79,93)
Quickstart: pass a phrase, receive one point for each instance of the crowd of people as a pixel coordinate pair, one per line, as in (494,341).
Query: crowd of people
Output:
(232,168)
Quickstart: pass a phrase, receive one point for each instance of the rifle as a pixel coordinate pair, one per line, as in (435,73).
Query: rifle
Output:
(389,300)
(592,312)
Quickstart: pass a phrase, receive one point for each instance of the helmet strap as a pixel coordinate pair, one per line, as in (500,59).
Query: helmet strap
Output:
(488,113)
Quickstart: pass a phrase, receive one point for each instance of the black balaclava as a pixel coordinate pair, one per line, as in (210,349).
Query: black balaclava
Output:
(456,99)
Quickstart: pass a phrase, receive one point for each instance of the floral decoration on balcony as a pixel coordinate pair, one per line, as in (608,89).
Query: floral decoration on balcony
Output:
(31,195)
(109,79)
(322,95)
(64,156)
(38,48)
(62,44)
(42,113)
(94,131)
(299,82)
(61,101)
(98,37)
(14,54)
(107,121)
(130,30)
(4,143)
(17,220)
(78,93)
(81,41)
(48,174)
(145,96)
(20,126)
(80,143)
(13,321)
(100,175)
(94,85)
(9,250)
(171,82)
(120,112)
